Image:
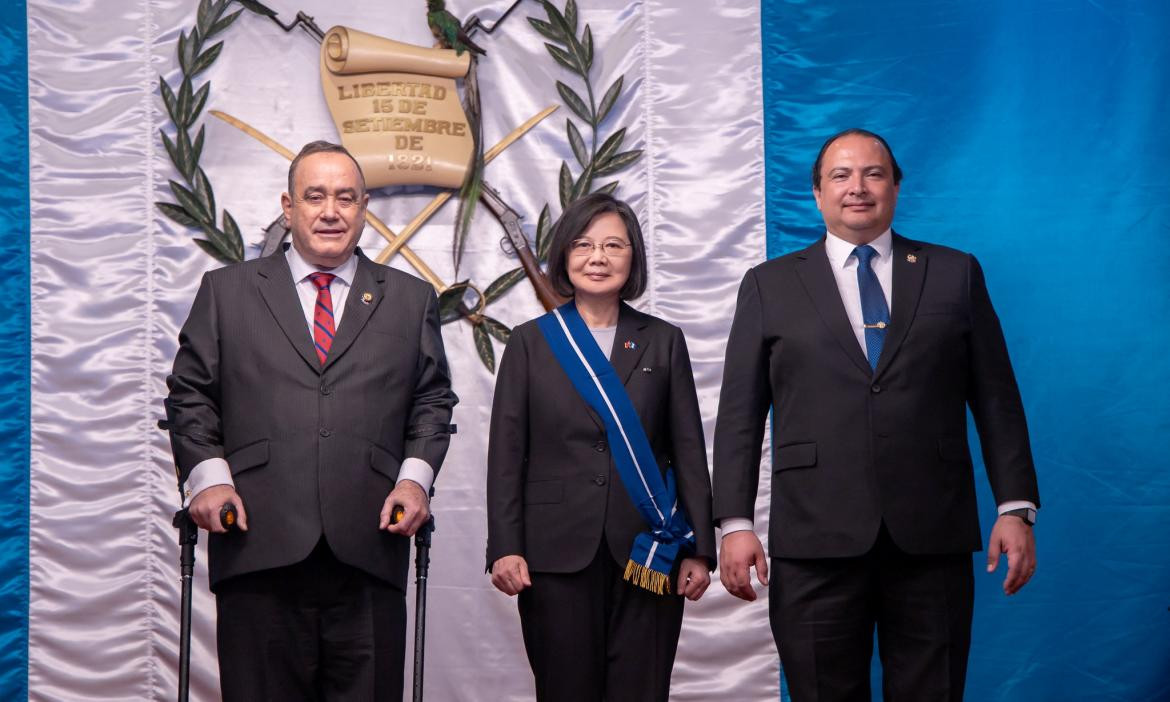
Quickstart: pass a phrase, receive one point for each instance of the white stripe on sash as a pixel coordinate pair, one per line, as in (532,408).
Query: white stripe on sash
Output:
(613,413)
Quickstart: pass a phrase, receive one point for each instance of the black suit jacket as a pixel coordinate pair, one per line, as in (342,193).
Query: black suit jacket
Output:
(854,447)
(553,489)
(312,450)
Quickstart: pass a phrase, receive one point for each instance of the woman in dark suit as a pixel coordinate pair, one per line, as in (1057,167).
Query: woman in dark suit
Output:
(563,530)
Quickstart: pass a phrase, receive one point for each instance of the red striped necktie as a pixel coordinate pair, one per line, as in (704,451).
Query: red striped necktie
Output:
(323,315)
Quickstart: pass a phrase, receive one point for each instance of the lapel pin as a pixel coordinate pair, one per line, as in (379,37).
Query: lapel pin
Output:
(367,298)
(911,258)
(645,370)
(630,345)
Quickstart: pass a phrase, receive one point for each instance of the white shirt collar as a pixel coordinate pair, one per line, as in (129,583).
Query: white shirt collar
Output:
(301,268)
(839,251)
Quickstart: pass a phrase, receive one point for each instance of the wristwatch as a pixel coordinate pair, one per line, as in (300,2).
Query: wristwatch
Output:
(1026,513)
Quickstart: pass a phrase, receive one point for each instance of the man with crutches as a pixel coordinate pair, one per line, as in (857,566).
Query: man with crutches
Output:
(311,393)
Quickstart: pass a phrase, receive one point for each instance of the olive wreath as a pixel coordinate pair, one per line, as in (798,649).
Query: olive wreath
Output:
(194,206)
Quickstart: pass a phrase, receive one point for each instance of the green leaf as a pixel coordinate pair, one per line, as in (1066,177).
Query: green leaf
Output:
(583,183)
(609,99)
(204,193)
(189,202)
(497,329)
(543,233)
(483,345)
(558,20)
(197,102)
(187,51)
(219,241)
(619,161)
(177,214)
(257,8)
(610,146)
(578,52)
(224,23)
(502,285)
(608,188)
(449,302)
(546,30)
(565,186)
(204,17)
(577,142)
(232,231)
(169,100)
(184,104)
(587,43)
(575,103)
(571,15)
(172,148)
(188,161)
(564,58)
(206,59)
(197,147)
(213,251)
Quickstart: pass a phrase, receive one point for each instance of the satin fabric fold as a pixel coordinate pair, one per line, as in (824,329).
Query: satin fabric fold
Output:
(14,354)
(112,280)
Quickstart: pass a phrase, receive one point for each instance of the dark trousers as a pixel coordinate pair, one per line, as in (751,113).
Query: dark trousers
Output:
(824,611)
(591,636)
(316,630)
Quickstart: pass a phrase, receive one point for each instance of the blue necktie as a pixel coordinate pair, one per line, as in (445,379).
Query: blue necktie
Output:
(874,311)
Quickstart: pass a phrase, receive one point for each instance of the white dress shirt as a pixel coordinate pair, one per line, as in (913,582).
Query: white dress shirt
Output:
(216,471)
(844,266)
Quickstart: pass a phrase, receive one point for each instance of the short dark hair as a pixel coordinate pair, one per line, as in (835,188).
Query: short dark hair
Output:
(816,169)
(321,147)
(572,224)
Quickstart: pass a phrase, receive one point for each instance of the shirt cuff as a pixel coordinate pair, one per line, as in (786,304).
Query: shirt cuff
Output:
(205,474)
(419,471)
(1016,504)
(734,524)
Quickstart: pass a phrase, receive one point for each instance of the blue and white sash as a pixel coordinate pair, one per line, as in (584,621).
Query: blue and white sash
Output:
(591,373)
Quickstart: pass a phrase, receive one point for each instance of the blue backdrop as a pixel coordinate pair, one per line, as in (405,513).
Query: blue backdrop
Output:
(14,353)
(1035,135)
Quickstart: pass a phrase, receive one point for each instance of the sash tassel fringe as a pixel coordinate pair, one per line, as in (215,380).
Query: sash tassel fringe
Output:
(639,575)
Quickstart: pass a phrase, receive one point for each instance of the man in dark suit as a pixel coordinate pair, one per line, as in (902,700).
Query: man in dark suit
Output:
(311,391)
(869,347)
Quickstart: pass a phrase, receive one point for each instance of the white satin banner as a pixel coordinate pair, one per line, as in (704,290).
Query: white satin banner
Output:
(112,280)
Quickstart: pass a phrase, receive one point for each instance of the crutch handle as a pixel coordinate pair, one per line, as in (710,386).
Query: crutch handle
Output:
(228,516)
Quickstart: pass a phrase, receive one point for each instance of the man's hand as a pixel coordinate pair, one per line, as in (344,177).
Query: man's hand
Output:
(693,578)
(739,551)
(204,509)
(1011,536)
(415,504)
(510,574)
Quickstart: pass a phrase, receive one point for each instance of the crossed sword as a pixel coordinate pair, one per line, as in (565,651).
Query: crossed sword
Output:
(396,243)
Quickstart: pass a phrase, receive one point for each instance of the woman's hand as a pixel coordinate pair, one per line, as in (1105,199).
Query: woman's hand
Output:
(510,574)
(693,578)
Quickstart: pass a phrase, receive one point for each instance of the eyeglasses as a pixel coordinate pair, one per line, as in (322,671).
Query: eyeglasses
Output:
(612,248)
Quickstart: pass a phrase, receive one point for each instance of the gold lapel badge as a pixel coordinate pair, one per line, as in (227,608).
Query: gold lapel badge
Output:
(367,298)
(911,258)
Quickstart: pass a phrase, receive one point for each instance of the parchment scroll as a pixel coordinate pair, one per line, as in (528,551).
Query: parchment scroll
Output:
(396,108)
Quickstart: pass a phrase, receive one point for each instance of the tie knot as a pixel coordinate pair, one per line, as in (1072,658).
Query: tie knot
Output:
(864,255)
(322,280)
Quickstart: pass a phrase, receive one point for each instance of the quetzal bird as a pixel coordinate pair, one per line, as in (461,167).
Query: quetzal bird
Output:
(450,34)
